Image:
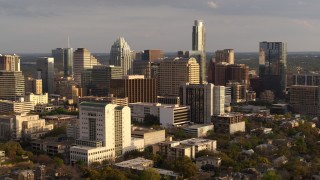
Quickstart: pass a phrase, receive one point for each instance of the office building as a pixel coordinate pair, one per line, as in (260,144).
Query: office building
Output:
(18,106)
(188,147)
(121,55)
(149,69)
(101,77)
(150,136)
(229,123)
(224,56)
(82,60)
(33,85)
(199,44)
(200,99)
(174,72)
(152,55)
(15,127)
(37,98)
(135,87)
(9,62)
(45,71)
(306,79)
(168,99)
(304,99)
(222,73)
(273,66)
(11,85)
(198,130)
(63,60)
(105,133)
(67,88)
(106,99)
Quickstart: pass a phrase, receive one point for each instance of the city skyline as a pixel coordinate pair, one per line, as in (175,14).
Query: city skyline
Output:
(241,25)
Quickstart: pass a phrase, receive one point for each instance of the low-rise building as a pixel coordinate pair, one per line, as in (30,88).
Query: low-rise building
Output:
(207,160)
(60,119)
(150,136)
(23,126)
(198,130)
(44,108)
(73,129)
(2,156)
(21,106)
(229,123)
(52,146)
(37,98)
(108,99)
(169,115)
(140,164)
(189,147)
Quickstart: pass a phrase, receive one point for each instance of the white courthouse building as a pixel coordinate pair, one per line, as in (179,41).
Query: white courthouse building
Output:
(105,133)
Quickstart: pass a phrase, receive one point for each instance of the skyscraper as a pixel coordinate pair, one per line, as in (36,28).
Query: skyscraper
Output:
(273,66)
(45,71)
(11,85)
(120,55)
(63,60)
(83,60)
(199,44)
(226,55)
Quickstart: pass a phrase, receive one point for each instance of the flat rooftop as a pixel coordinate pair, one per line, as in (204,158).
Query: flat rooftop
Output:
(135,163)
(195,126)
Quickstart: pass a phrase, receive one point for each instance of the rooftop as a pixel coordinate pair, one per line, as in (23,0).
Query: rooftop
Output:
(93,104)
(135,163)
(198,126)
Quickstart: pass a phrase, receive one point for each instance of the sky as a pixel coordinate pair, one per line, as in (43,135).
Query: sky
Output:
(37,26)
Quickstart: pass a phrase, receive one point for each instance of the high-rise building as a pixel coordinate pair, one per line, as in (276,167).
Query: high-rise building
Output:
(219,100)
(226,55)
(149,69)
(82,60)
(222,73)
(151,55)
(199,44)
(238,92)
(120,55)
(174,72)
(101,77)
(135,87)
(200,98)
(9,62)
(11,85)
(105,133)
(33,85)
(273,66)
(304,99)
(45,71)
(63,60)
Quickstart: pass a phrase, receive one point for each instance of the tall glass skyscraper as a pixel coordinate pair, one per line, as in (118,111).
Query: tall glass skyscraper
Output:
(273,66)
(199,44)
(63,58)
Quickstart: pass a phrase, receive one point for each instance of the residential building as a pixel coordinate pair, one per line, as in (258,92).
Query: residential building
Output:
(37,98)
(120,55)
(9,62)
(199,44)
(82,60)
(19,106)
(224,56)
(63,60)
(174,72)
(150,136)
(45,71)
(11,85)
(273,66)
(135,87)
(229,123)
(208,160)
(105,133)
(198,130)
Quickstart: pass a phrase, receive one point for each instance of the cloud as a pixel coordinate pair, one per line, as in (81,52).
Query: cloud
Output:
(212,5)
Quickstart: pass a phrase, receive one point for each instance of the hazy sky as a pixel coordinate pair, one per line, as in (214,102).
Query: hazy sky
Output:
(40,25)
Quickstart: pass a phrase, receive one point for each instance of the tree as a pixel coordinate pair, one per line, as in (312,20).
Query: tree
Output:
(58,161)
(150,120)
(185,167)
(150,174)
(271,175)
